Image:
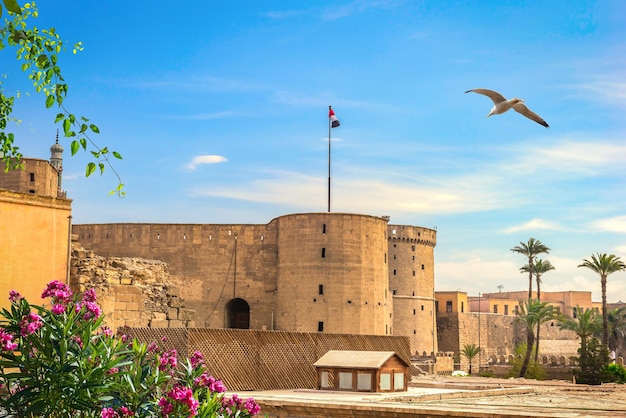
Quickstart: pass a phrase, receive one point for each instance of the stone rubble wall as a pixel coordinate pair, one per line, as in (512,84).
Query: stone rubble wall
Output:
(132,292)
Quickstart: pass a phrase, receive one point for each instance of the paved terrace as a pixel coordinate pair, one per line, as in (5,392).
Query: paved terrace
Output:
(497,398)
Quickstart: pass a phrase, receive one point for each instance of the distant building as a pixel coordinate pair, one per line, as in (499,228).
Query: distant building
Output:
(506,303)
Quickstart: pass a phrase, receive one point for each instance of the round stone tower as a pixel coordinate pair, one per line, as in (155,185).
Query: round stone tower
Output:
(412,284)
(333,274)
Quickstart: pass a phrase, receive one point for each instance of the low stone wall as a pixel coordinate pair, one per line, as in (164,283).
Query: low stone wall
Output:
(552,372)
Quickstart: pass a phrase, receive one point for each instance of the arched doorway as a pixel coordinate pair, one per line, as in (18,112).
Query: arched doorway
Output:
(237,314)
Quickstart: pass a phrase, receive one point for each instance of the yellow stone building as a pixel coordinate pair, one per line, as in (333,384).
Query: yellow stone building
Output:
(35,225)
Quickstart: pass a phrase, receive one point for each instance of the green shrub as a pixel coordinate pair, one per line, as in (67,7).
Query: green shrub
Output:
(61,362)
(617,371)
(534,371)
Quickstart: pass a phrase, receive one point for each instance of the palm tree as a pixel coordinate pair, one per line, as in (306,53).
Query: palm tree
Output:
(532,313)
(604,265)
(531,249)
(469,352)
(540,266)
(585,324)
(617,327)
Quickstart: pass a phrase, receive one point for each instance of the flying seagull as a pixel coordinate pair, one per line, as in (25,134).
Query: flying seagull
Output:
(501,105)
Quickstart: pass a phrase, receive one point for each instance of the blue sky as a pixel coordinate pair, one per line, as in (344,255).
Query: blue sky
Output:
(220,110)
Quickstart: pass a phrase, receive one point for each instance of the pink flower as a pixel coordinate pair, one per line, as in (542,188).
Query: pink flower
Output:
(168,360)
(197,359)
(93,310)
(113,370)
(108,413)
(89,296)
(106,331)
(59,292)
(78,340)
(126,412)
(58,309)
(30,324)
(217,386)
(14,296)
(166,406)
(185,396)
(203,380)
(153,347)
(252,407)
(6,341)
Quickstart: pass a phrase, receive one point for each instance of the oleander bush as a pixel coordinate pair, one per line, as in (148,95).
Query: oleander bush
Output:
(60,361)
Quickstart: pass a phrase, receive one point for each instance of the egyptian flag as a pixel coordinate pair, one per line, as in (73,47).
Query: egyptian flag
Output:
(334,122)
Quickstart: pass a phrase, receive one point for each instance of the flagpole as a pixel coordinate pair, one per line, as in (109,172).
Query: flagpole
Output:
(329,128)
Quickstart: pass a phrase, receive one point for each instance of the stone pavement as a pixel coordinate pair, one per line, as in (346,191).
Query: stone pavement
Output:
(443,399)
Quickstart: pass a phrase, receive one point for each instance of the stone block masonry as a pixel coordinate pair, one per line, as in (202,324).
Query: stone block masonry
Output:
(132,292)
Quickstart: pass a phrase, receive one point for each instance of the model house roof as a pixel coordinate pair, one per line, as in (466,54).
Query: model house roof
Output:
(355,359)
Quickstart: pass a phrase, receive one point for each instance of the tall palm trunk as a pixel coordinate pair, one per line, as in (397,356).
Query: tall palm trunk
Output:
(530,342)
(605,319)
(530,278)
(539,324)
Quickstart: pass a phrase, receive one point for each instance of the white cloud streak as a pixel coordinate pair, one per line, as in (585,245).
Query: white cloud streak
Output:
(204,159)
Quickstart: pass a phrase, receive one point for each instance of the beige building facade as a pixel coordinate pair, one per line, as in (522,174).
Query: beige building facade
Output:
(311,272)
(506,303)
(35,224)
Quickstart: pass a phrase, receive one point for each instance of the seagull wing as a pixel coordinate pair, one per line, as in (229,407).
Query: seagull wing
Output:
(523,110)
(493,95)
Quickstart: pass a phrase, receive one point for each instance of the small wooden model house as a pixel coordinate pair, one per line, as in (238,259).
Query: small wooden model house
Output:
(362,371)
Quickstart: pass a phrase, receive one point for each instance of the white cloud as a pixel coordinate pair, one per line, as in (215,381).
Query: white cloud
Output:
(610,89)
(615,224)
(533,225)
(205,159)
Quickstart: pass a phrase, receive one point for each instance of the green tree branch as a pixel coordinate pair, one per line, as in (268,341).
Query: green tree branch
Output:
(38,50)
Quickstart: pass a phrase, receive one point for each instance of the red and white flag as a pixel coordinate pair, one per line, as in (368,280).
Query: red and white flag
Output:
(334,122)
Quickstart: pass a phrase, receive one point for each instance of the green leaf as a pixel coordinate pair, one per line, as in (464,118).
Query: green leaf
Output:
(91,167)
(83,128)
(94,128)
(117,155)
(49,101)
(83,143)
(74,147)
(59,117)
(42,61)
(101,166)
(67,126)
(12,6)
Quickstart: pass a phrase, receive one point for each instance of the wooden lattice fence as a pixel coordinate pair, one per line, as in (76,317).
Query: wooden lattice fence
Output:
(262,360)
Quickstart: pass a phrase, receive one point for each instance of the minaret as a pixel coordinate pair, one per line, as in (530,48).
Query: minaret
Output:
(56,159)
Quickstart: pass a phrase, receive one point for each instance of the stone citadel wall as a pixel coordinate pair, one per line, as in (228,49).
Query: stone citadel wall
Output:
(328,272)
(498,336)
(132,292)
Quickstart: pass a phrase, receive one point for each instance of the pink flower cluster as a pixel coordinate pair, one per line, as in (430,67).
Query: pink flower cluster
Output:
(6,341)
(14,296)
(197,359)
(92,310)
(214,385)
(235,403)
(58,291)
(168,360)
(112,413)
(30,324)
(184,395)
